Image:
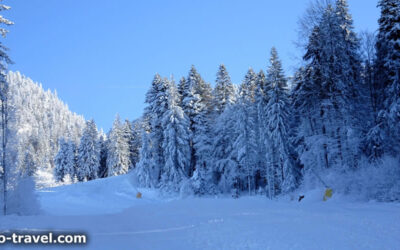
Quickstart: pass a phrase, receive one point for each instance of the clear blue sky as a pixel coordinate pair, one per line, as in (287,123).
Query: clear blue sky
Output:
(101,56)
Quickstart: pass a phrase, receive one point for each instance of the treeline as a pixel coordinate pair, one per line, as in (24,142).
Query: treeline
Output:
(36,120)
(339,115)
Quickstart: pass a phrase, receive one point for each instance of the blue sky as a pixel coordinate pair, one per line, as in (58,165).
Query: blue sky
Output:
(101,56)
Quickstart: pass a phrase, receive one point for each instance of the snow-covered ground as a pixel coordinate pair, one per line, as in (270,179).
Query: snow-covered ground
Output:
(108,211)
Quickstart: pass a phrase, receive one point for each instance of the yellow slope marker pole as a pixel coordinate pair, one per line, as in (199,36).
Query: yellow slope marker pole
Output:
(328,190)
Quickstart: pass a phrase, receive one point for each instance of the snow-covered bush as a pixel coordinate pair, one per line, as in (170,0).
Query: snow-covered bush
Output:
(370,181)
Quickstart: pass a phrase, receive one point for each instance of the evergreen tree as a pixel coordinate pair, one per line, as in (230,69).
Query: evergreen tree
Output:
(61,160)
(135,142)
(152,152)
(224,155)
(246,142)
(248,87)
(4,94)
(197,104)
(260,121)
(103,146)
(280,171)
(383,137)
(176,142)
(118,153)
(72,160)
(88,153)
(245,145)
(326,95)
(224,92)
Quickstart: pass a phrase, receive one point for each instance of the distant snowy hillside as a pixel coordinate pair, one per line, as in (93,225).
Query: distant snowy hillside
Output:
(38,118)
(108,212)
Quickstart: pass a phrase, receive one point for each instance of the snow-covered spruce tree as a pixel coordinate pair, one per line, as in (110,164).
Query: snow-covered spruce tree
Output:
(387,49)
(382,138)
(103,148)
(61,160)
(260,121)
(4,94)
(246,142)
(357,115)
(280,172)
(325,100)
(143,171)
(17,187)
(135,142)
(70,169)
(202,179)
(181,89)
(88,153)
(248,87)
(388,52)
(224,156)
(224,92)
(152,158)
(176,142)
(197,105)
(65,161)
(118,153)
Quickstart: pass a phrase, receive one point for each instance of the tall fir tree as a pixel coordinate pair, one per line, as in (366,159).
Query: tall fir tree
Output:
(4,96)
(383,137)
(61,160)
(88,153)
(103,147)
(152,152)
(176,142)
(196,103)
(281,170)
(224,92)
(118,153)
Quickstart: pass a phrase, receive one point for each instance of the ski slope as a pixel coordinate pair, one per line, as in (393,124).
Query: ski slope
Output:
(113,218)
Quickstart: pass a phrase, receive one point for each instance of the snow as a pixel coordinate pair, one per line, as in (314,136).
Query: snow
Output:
(107,210)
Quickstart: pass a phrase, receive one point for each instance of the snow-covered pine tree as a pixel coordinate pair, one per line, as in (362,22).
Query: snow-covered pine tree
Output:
(280,173)
(245,144)
(387,49)
(325,98)
(248,87)
(181,89)
(357,116)
(88,153)
(197,104)
(143,171)
(388,52)
(202,181)
(176,142)
(17,188)
(103,148)
(72,160)
(382,138)
(224,156)
(260,121)
(61,160)
(152,152)
(65,160)
(4,94)
(118,153)
(136,142)
(127,134)
(224,92)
